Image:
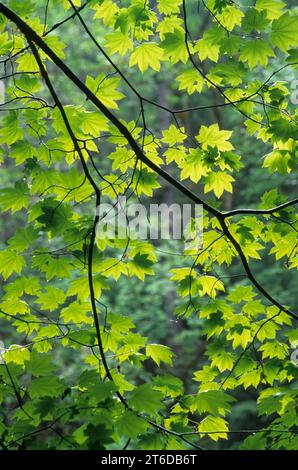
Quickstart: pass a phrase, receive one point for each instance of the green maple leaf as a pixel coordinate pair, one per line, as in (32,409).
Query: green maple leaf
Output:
(254,442)
(145,399)
(283,129)
(52,266)
(207,49)
(191,81)
(131,425)
(255,20)
(256,52)
(118,42)
(193,167)
(51,299)
(107,11)
(153,441)
(21,151)
(140,266)
(11,262)
(145,182)
(273,8)
(214,425)
(212,401)
(48,386)
(14,199)
(240,293)
(146,55)
(159,353)
(16,354)
(40,364)
(174,46)
(209,285)
(169,8)
(76,312)
(218,183)
(93,123)
(173,135)
(214,137)
(223,361)
(168,385)
(277,161)
(112,267)
(23,239)
(105,89)
(285,32)
(230,16)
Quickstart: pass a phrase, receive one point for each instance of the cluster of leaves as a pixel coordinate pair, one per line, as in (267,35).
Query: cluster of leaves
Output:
(56,270)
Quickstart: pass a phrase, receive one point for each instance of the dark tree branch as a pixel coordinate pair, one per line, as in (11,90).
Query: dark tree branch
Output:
(260,211)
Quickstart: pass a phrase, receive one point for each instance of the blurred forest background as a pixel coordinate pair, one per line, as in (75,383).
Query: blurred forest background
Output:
(151,304)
